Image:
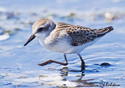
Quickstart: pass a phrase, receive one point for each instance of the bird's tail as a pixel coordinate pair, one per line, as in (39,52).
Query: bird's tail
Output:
(101,32)
(105,30)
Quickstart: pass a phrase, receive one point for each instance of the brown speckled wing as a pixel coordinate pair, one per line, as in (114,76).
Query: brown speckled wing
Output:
(80,35)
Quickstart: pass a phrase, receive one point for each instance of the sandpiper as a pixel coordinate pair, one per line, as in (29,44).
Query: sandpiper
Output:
(65,38)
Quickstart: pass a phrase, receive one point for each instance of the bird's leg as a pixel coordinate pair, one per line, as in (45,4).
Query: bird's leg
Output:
(50,61)
(83,63)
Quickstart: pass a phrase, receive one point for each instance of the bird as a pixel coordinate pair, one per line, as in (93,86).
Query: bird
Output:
(65,38)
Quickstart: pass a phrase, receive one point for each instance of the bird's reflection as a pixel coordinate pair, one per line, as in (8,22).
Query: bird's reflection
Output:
(81,83)
(64,72)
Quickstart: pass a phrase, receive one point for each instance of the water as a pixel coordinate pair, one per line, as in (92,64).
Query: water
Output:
(19,65)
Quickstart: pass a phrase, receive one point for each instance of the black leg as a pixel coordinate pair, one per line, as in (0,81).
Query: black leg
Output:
(50,61)
(83,63)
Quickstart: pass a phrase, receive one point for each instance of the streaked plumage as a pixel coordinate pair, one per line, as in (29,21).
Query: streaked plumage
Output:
(80,35)
(65,38)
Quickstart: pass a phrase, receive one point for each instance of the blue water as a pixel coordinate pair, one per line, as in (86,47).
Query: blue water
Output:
(19,65)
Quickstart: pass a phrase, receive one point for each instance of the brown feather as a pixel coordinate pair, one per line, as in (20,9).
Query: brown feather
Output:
(79,34)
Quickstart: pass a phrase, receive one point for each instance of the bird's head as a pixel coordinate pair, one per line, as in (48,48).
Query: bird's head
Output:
(41,28)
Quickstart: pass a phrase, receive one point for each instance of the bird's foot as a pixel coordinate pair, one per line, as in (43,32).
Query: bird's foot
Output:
(46,62)
(50,61)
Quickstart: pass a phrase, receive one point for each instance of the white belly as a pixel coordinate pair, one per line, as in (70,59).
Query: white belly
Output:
(65,47)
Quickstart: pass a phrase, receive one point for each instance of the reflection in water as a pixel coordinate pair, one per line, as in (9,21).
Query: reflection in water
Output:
(64,71)
(85,83)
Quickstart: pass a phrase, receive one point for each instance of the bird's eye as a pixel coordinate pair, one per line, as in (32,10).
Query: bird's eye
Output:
(40,29)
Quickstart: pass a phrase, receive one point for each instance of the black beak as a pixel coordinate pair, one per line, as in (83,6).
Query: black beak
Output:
(30,39)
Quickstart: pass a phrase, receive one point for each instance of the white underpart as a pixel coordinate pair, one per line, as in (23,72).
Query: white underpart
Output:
(62,45)
(65,47)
